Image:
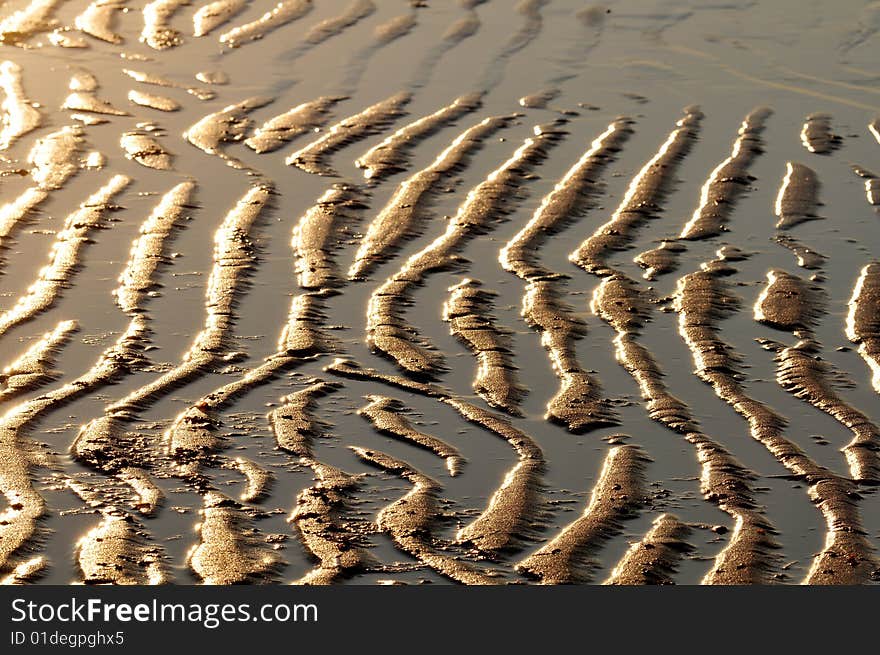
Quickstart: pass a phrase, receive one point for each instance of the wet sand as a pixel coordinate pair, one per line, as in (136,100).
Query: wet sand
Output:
(476,293)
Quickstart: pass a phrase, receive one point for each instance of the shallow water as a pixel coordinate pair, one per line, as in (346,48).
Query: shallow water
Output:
(642,60)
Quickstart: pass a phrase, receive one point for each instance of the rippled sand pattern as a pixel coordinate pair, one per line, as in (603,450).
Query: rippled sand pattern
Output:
(481,292)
